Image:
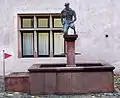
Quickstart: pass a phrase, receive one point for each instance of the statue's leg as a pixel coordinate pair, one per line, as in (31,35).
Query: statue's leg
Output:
(74,30)
(65,28)
(73,27)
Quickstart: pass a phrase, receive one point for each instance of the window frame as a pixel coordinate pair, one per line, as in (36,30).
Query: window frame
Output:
(35,30)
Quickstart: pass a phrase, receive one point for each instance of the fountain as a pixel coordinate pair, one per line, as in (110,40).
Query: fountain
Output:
(71,77)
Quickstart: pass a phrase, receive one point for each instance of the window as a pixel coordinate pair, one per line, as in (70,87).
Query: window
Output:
(43,43)
(27,44)
(58,47)
(57,22)
(42,22)
(41,35)
(27,22)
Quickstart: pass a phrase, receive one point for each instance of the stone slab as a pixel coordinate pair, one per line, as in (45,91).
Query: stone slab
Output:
(17,82)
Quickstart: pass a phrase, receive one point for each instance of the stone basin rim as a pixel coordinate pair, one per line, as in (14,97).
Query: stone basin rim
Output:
(100,68)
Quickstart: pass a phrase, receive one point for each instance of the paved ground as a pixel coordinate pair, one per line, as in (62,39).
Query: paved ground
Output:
(98,95)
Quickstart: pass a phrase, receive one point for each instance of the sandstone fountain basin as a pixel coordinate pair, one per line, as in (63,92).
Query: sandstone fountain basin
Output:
(87,77)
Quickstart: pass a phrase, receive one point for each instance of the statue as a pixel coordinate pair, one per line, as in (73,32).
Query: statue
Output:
(68,17)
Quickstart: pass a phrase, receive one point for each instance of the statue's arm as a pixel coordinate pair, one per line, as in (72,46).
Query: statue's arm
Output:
(62,17)
(75,18)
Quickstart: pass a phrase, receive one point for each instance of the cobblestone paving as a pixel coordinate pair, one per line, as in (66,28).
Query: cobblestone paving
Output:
(98,95)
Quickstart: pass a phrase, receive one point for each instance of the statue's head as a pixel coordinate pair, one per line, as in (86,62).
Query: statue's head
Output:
(67,5)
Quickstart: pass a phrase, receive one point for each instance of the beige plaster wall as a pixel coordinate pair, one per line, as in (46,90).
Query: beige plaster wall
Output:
(95,19)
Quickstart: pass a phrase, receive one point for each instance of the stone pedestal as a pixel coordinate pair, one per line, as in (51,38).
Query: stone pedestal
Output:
(70,43)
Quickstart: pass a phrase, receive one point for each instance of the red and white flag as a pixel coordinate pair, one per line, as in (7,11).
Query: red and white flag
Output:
(6,55)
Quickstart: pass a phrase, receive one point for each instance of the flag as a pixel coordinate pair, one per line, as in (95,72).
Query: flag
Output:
(6,55)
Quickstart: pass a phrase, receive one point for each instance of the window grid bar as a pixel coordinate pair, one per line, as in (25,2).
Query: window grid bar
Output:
(51,38)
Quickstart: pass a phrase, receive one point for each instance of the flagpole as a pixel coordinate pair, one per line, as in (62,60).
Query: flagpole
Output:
(4,68)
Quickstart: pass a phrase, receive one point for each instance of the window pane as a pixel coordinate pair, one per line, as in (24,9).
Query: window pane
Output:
(43,22)
(57,22)
(43,43)
(27,44)
(27,22)
(58,44)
